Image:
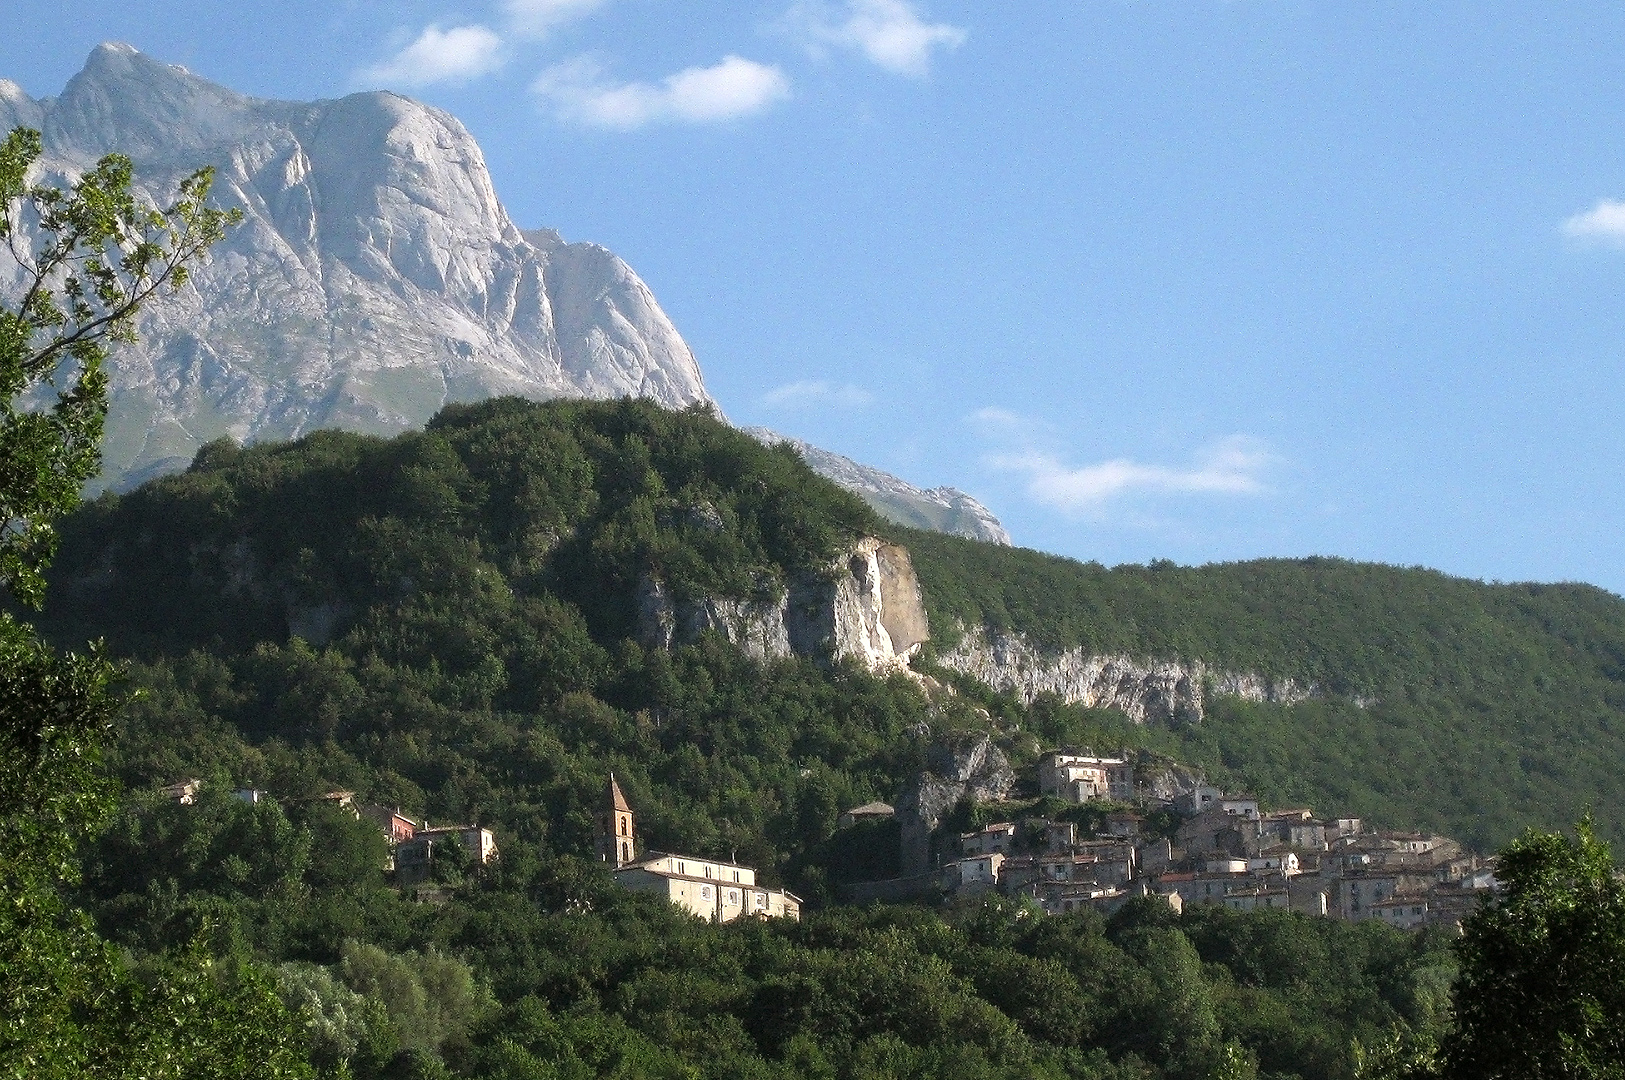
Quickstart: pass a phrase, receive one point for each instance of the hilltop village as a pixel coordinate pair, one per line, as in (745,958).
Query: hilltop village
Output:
(1224,849)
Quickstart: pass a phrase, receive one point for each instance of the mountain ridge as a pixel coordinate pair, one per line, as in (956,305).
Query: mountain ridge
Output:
(375,278)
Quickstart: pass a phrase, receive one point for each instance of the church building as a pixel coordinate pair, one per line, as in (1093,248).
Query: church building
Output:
(713,890)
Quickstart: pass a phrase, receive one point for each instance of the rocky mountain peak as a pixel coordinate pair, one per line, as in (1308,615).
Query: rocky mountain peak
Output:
(151,109)
(376,275)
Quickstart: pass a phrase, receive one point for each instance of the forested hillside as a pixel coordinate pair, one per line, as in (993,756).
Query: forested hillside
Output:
(1448,704)
(441,622)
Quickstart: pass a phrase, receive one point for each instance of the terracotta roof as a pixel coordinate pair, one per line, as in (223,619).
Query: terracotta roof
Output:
(616,799)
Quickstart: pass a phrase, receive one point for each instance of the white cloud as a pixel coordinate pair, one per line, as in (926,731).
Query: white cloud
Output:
(995,417)
(809,392)
(889,32)
(578,92)
(438,56)
(537,17)
(1233,466)
(1602,224)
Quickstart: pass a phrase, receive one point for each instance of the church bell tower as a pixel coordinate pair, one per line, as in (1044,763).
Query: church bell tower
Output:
(613,835)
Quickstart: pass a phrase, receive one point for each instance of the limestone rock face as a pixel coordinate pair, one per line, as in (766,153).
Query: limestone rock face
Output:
(942,509)
(1166,691)
(970,769)
(865,606)
(375,277)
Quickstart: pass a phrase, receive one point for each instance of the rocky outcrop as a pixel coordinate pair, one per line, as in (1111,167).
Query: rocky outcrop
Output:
(375,276)
(1155,691)
(1165,781)
(865,605)
(942,509)
(971,768)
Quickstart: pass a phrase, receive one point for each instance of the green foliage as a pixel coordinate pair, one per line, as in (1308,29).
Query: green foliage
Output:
(1542,987)
(88,258)
(431,1000)
(345,1030)
(1447,704)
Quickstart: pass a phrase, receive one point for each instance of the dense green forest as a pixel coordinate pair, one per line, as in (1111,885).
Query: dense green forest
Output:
(1468,708)
(443,622)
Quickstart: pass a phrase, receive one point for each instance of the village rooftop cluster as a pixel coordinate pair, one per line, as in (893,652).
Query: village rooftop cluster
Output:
(1226,851)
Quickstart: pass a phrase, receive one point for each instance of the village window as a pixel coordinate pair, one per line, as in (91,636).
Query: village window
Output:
(733,897)
(736,875)
(623,826)
(626,853)
(707,871)
(705,892)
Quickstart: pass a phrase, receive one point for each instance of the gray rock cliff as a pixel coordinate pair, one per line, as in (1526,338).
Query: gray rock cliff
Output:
(865,606)
(972,768)
(1154,691)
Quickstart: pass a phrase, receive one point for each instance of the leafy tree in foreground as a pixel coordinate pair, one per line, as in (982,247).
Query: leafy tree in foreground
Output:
(1542,987)
(88,258)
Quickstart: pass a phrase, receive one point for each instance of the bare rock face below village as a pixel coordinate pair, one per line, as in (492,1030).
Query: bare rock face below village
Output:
(1154,691)
(866,606)
(971,768)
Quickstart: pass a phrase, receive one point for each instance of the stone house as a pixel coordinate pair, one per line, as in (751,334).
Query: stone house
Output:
(1196,888)
(1294,828)
(1152,856)
(1058,897)
(1060,836)
(1257,898)
(976,874)
(1406,911)
(1081,778)
(1357,891)
(1309,894)
(1215,830)
(1124,823)
(1284,863)
(1197,800)
(1000,837)
(1087,867)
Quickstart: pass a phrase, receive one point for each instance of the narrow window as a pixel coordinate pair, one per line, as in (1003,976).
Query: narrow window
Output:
(626,854)
(623,826)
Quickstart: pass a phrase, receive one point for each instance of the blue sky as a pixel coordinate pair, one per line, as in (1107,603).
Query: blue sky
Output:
(1194,280)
